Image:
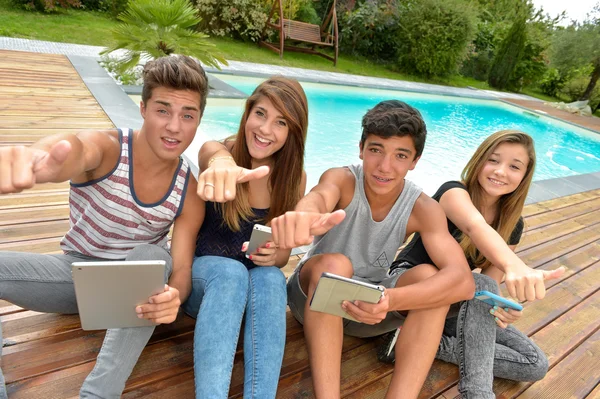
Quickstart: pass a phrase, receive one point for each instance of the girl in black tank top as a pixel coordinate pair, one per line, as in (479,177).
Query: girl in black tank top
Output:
(488,203)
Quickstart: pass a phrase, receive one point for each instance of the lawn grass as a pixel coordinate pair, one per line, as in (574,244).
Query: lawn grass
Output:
(94,28)
(65,26)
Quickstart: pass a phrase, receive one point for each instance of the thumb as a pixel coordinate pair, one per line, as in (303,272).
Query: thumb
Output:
(554,274)
(253,174)
(327,222)
(56,156)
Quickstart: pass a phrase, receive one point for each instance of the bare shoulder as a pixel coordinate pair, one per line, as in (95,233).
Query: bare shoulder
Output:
(344,181)
(426,213)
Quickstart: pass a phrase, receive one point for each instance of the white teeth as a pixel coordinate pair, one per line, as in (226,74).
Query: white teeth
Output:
(381,179)
(261,140)
(173,141)
(496,182)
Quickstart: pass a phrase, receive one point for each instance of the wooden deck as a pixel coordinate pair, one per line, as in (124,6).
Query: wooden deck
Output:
(48,355)
(589,122)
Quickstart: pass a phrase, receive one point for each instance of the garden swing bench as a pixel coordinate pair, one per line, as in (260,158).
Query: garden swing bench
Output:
(325,35)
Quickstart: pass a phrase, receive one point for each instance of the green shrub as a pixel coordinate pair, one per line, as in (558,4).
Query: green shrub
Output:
(574,88)
(433,36)
(242,19)
(552,82)
(47,5)
(370,30)
(307,13)
(477,65)
(113,7)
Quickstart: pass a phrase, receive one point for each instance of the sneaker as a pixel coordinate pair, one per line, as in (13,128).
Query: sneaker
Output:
(386,352)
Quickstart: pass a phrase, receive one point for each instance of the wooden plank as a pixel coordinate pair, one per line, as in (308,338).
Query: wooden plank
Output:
(41,246)
(557,230)
(559,215)
(33,214)
(554,248)
(560,202)
(25,198)
(595,394)
(573,377)
(559,339)
(33,231)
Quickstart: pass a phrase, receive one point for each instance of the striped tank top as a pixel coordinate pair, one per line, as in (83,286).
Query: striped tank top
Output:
(107,220)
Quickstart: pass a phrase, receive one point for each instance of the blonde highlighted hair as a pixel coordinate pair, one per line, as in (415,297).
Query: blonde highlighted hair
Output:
(288,97)
(510,206)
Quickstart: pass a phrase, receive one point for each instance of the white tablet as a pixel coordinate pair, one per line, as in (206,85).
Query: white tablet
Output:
(332,290)
(108,292)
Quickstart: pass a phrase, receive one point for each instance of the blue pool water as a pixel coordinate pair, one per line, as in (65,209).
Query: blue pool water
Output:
(456,126)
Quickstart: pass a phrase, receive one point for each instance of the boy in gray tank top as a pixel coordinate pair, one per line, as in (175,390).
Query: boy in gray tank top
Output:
(359,216)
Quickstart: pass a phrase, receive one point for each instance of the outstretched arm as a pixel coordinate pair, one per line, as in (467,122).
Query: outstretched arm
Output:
(55,158)
(522,282)
(219,174)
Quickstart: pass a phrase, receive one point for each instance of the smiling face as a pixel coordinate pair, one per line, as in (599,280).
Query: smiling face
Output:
(504,169)
(386,161)
(171,118)
(266,130)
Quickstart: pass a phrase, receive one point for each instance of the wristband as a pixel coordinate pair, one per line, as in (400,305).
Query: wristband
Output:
(210,161)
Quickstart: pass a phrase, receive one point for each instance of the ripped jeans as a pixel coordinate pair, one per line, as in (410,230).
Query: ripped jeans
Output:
(482,350)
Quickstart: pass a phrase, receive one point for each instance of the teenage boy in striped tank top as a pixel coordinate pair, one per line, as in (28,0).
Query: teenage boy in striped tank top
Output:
(358,216)
(127,189)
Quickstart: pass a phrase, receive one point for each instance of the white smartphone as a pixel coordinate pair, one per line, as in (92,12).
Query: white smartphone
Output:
(260,235)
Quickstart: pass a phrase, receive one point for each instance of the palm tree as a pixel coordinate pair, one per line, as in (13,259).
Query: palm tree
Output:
(157,28)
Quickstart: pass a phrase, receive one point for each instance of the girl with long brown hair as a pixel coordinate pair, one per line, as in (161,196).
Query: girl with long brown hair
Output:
(484,215)
(250,178)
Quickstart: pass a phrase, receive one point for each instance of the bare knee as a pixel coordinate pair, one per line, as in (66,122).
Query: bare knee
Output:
(325,263)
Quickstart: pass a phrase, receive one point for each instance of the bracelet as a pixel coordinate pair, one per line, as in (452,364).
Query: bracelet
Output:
(210,161)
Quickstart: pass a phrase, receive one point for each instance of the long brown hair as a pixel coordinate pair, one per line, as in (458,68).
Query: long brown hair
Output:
(288,97)
(510,206)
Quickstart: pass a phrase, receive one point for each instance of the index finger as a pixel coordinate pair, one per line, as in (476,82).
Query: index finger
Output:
(540,290)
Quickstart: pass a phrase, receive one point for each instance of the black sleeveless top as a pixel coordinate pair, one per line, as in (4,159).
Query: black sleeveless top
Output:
(216,239)
(415,254)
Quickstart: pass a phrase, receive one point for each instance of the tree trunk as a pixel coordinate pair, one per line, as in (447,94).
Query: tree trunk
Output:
(593,79)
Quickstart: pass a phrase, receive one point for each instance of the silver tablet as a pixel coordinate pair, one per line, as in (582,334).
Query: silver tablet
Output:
(332,290)
(108,292)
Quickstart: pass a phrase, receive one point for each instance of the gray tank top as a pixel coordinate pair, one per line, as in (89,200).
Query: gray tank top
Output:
(371,246)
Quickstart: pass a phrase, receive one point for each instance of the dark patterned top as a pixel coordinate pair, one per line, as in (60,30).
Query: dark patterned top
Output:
(216,239)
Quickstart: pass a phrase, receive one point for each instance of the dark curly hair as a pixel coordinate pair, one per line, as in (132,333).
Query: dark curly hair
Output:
(395,118)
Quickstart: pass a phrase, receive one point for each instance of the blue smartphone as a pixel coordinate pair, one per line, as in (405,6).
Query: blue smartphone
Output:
(497,300)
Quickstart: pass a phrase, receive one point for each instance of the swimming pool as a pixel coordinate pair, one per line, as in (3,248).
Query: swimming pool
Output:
(456,126)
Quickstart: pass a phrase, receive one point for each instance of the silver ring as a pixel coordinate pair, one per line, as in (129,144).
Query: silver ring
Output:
(209,184)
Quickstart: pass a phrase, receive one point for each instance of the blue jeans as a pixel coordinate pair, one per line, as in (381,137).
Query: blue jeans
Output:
(223,291)
(482,350)
(43,283)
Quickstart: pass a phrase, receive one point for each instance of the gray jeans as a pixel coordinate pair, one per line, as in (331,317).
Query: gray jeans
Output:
(482,350)
(43,283)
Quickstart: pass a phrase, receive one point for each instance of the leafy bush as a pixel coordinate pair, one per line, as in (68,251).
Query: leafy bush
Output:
(307,13)
(370,30)
(113,7)
(477,65)
(552,82)
(47,5)
(433,36)
(242,19)
(574,88)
